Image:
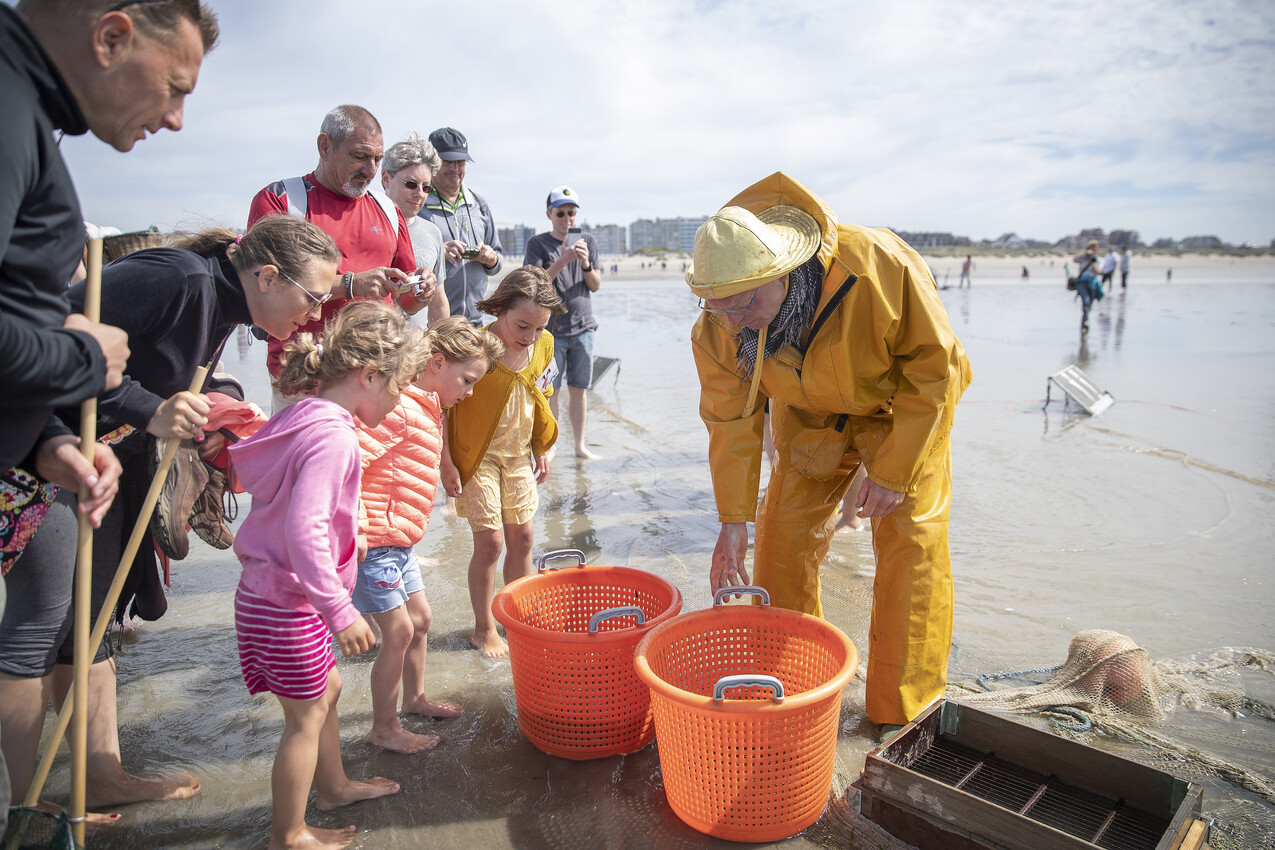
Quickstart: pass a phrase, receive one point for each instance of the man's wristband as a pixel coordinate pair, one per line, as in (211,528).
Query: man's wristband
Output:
(347,280)
(585,268)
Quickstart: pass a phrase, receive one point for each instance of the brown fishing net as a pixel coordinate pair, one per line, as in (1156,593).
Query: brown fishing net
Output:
(1195,718)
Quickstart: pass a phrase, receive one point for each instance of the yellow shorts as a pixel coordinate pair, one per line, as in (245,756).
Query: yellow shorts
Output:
(502,492)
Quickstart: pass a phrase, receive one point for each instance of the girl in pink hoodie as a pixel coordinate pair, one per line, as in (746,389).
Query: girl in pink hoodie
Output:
(400,480)
(298,548)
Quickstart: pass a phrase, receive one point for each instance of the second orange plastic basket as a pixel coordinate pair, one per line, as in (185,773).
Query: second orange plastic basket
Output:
(746,701)
(571,638)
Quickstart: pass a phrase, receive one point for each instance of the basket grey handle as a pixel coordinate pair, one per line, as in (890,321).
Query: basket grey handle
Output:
(748,680)
(720,596)
(610,613)
(560,553)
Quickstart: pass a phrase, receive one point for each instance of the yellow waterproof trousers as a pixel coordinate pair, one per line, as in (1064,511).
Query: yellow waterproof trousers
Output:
(911,630)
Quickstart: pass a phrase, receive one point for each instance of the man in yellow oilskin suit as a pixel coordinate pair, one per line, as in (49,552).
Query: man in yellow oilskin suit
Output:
(841,328)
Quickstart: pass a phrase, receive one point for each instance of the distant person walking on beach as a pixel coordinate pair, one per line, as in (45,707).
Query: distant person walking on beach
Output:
(121,71)
(841,328)
(370,231)
(401,459)
(1088,285)
(966,268)
(572,261)
(1124,267)
(302,469)
(1109,263)
(471,245)
(498,439)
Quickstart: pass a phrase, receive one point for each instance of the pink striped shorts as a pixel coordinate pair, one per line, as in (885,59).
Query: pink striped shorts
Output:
(287,653)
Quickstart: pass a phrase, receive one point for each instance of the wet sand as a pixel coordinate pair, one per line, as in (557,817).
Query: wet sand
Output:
(1152,520)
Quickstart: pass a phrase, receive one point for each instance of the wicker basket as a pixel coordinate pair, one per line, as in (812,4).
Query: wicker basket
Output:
(114,247)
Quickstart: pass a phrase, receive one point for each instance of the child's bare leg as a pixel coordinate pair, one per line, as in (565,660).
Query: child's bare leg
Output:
(335,788)
(518,541)
(294,766)
(414,699)
(488,543)
(387,672)
(849,520)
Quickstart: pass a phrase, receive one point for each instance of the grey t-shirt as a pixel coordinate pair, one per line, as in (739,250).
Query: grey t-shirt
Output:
(542,250)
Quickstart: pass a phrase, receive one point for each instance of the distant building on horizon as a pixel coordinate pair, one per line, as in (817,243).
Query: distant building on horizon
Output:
(671,234)
(514,239)
(610,237)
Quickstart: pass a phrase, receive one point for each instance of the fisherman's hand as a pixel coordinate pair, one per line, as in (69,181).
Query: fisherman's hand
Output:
(59,461)
(876,501)
(378,283)
(540,463)
(728,568)
(356,638)
(181,417)
(112,341)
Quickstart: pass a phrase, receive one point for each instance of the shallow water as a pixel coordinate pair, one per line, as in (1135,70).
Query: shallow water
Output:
(1152,520)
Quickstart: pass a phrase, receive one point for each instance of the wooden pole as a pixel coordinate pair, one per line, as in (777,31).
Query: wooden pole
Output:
(84,571)
(112,597)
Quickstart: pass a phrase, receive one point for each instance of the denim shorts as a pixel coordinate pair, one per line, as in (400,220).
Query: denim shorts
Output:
(386,576)
(574,358)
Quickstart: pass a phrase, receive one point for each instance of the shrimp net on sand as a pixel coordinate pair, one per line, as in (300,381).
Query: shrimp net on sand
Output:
(30,828)
(1208,719)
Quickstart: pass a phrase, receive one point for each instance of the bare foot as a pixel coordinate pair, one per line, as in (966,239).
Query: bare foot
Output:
(377,786)
(852,524)
(429,708)
(313,838)
(126,788)
(92,820)
(583,452)
(491,644)
(401,741)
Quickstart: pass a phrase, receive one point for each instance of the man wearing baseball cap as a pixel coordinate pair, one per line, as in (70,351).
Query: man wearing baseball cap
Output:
(840,327)
(470,243)
(573,265)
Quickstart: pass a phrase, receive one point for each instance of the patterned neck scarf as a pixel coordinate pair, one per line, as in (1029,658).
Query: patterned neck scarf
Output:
(792,320)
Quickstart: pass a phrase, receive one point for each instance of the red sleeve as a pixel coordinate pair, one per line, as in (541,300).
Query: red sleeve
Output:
(266,203)
(404,255)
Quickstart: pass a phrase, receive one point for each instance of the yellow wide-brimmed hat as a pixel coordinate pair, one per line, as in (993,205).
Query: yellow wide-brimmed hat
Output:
(736,251)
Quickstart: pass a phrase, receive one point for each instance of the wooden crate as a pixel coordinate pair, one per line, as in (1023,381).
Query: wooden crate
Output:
(961,778)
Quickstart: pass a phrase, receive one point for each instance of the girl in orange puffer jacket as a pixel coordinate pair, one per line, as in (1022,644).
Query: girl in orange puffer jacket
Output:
(400,479)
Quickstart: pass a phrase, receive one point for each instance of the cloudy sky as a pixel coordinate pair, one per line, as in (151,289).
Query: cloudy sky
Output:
(976,118)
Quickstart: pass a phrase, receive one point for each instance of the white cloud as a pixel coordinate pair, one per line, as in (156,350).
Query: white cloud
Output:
(917,114)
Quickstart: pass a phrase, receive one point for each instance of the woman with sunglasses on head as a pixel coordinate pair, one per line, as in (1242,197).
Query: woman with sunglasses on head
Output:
(406,173)
(178,305)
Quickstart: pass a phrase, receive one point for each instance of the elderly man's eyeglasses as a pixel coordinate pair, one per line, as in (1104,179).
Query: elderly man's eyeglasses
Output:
(728,311)
(315,300)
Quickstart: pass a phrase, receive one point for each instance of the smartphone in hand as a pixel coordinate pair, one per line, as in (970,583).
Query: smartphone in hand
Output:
(574,234)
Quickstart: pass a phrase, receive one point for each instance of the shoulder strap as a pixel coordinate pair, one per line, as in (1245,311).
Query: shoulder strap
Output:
(389,208)
(827,311)
(298,203)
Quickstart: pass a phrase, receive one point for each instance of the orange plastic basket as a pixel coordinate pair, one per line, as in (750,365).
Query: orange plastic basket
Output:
(571,637)
(756,766)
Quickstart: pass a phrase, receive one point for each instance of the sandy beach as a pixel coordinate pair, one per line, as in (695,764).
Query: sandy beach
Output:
(1152,520)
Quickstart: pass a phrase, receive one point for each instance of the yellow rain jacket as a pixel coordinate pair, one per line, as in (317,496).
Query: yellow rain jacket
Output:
(877,382)
(471,424)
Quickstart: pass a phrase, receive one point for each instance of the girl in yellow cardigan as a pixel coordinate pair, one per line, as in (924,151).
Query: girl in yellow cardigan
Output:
(497,440)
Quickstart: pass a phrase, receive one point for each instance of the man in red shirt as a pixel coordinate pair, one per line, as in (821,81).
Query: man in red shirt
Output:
(372,235)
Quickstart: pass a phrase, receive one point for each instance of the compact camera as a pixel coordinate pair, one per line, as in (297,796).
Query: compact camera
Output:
(469,253)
